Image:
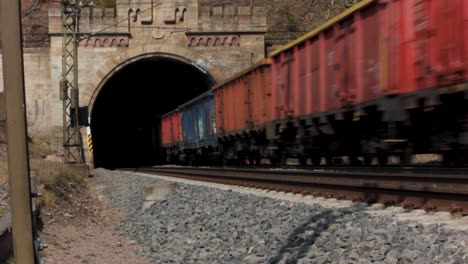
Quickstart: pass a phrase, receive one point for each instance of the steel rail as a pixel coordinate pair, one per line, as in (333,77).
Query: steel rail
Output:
(432,192)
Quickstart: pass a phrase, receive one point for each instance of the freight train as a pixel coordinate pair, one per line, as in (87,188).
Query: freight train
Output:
(384,78)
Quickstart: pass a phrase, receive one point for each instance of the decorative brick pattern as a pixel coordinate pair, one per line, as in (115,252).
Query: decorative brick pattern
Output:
(213,40)
(104,42)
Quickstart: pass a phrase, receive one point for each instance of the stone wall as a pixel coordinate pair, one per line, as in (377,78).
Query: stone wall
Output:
(219,40)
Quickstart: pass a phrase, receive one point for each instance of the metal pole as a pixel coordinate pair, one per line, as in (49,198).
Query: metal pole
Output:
(72,142)
(18,160)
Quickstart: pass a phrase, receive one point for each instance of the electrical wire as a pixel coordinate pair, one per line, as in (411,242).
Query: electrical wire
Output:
(119,22)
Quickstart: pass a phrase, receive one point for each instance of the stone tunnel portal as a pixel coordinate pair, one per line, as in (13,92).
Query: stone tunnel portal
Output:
(125,118)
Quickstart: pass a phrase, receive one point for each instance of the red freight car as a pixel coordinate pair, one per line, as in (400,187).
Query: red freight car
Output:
(374,49)
(243,107)
(171,135)
(361,84)
(384,78)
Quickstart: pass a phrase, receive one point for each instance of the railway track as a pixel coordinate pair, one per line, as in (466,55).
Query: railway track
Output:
(431,189)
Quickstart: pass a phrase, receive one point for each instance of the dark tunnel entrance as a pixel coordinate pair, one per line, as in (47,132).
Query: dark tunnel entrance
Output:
(125,119)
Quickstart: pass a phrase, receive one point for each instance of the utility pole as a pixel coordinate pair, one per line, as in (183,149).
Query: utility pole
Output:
(69,93)
(18,160)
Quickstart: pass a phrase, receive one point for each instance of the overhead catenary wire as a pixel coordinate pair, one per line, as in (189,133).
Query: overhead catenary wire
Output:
(119,22)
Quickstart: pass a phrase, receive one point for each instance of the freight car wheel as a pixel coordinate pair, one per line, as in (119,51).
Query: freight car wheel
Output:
(382,158)
(368,160)
(316,160)
(303,161)
(453,159)
(275,161)
(405,158)
(353,160)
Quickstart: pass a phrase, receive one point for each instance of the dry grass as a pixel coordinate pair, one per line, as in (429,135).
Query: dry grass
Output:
(3,211)
(57,180)
(40,147)
(3,172)
(10,260)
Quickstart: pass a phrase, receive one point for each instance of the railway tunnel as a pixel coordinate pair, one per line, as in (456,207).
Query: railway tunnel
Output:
(125,117)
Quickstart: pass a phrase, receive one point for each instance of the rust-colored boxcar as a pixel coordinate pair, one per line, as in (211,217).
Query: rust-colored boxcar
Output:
(374,49)
(170,129)
(384,78)
(243,101)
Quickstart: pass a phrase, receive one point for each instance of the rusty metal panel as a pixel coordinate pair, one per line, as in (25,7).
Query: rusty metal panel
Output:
(231,101)
(330,91)
(408,46)
(372,53)
(170,128)
(345,59)
(228,108)
(266,77)
(242,106)
(166,129)
(445,39)
(301,86)
(315,78)
(176,128)
(283,85)
(290,81)
(259,96)
(277,89)
(235,93)
(244,101)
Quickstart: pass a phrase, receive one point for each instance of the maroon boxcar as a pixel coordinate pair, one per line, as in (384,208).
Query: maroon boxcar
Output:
(373,81)
(171,135)
(243,108)
(374,49)
(384,78)
(243,101)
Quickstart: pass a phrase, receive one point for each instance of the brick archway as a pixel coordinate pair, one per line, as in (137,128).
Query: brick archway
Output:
(94,85)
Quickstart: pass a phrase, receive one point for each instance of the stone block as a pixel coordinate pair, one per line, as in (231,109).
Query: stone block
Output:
(55,12)
(156,192)
(109,12)
(229,11)
(205,11)
(217,11)
(97,12)
(244,11)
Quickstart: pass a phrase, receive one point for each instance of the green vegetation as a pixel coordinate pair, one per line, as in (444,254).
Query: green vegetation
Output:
(3,211)
(10,260)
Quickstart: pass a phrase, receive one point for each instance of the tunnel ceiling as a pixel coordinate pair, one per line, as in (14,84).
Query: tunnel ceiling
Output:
(125,119)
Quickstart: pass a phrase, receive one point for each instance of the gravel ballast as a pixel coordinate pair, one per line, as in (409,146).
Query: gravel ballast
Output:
(197,224)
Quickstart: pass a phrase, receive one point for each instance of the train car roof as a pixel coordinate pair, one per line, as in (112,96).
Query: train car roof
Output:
(261,63)
(208,93)
(171,112)
(322,27)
